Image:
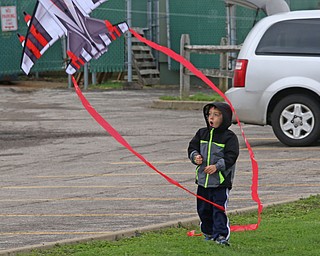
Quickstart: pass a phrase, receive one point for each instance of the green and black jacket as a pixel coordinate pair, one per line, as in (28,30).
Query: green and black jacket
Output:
(218,147)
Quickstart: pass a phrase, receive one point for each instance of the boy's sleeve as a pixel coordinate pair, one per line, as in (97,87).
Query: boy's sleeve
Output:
(194,147)
(231,151)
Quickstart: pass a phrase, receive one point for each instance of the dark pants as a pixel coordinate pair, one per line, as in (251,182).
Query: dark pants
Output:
(214,222)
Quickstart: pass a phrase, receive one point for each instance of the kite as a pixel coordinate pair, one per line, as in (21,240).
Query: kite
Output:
(89,38)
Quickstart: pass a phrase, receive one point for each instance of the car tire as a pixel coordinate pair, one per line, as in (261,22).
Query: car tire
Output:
(296,120)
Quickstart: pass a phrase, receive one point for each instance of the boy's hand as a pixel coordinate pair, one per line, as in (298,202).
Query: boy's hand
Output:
(210,169)
(198,159)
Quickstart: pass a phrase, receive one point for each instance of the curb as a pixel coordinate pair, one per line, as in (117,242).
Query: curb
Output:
(179,105)
(114,236)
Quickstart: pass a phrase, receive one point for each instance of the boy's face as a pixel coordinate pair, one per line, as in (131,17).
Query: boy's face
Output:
(215,117)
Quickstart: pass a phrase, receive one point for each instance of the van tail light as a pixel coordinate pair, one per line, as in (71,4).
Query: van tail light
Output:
(239,78)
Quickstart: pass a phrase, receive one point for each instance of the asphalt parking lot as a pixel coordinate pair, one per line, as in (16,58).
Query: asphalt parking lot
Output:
(63,177)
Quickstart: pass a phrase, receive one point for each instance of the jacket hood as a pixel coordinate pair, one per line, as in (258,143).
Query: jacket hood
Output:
(226,114)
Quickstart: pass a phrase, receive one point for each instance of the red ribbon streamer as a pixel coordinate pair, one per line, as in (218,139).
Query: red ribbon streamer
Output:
(113,132)
(193,233)
(199,74)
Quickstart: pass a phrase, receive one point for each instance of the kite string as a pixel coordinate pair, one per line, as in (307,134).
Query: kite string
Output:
(198,73)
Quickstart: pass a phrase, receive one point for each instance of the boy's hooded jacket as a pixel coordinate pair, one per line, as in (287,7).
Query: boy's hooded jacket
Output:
(217,146)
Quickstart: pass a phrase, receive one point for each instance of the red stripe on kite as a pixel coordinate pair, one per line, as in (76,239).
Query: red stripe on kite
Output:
(74,59)
(33,49)
(38,36)
(111,29)
(117,31)
(27,17)
(21,38)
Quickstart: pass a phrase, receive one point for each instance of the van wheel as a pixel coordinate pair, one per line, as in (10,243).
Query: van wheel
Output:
(296,120)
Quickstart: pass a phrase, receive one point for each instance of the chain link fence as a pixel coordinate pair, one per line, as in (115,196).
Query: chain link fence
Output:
(204,20)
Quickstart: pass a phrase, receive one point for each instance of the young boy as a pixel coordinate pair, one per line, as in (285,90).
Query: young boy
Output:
(214,149)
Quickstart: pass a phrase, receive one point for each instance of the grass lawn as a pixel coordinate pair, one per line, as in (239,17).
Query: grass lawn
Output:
(289,229)
(107,86)
(196,97)
(212,97)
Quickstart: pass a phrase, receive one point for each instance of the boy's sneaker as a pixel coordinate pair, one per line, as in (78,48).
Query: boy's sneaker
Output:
(222,240)
(208,237)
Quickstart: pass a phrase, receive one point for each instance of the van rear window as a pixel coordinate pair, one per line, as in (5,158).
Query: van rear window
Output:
(292,38)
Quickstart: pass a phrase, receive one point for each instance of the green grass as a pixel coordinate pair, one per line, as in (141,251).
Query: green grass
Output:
(197,97)
(213,97)
(288,229)
(107,86)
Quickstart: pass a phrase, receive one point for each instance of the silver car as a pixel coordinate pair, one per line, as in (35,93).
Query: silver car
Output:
(277,77)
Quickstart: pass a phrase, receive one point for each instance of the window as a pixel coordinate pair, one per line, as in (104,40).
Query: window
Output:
(291,38)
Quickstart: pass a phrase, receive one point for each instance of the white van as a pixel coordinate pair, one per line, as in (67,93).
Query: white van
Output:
(277,77)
